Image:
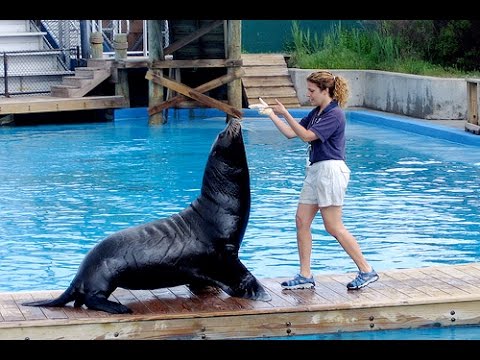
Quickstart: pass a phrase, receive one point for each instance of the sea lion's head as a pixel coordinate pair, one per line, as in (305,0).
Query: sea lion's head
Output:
(229,147)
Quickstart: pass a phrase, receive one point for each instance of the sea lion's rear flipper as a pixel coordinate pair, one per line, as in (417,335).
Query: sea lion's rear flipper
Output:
(62,300)
(102,304)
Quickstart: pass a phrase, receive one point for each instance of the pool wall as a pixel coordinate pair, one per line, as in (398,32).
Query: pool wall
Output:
(418,126)
(424,97)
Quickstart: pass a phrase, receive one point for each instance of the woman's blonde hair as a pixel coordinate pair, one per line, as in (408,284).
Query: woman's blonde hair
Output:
(337,85)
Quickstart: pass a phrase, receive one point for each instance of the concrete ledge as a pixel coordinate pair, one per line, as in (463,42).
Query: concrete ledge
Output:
(416,126)
(424,97)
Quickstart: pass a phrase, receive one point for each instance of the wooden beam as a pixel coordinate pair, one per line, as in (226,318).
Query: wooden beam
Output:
(198,63)
(133,63)
(238,73)
(194,94)
(188,39)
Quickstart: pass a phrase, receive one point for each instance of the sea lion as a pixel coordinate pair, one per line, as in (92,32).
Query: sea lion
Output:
(197,247)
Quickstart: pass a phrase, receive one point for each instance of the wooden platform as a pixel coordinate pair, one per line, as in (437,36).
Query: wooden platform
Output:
(267,76)
(433,296)
(40,104)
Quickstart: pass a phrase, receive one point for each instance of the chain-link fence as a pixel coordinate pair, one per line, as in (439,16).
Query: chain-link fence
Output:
(32,72)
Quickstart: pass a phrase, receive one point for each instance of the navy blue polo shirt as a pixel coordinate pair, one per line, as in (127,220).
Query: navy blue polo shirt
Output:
(329,126)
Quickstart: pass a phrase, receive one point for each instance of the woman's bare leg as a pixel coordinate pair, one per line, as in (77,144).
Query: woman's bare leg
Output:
(304,217)
(332,219)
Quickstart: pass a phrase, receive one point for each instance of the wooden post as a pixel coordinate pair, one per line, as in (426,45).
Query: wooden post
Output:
(120,45)
(234,52)
(96,45)
(473,102)
(155,46)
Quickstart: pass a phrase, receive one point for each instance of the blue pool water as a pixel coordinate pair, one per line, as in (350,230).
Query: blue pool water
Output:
(412,201)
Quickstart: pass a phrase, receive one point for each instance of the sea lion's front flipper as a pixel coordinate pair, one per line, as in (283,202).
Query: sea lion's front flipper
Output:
(237,281)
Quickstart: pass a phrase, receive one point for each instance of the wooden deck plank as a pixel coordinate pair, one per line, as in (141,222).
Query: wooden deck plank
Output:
(402,280)
(375,291)
(425,287)
(9,309)
(50,312)
(183,300)
(236,304)
(213,299)
(467,278)
(126,297)
(359,298)
(266,81)
(169,299)
(154,304)
(95,313)
(452,280)
(199,303)
(475,266)
(69,310)
(389,279)
(38,104)
(328,294)
(287,298)
(402,298)
(262,59)
(266,71)
(273,91)
(76,312)
(429,277)
(470,270)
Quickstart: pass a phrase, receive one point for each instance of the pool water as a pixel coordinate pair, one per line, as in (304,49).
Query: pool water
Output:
(440,333)
(412,200)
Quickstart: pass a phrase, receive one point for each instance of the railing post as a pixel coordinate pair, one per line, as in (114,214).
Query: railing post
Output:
(84,36)
(96,44)
(472,106)
(5,74)
(120,45)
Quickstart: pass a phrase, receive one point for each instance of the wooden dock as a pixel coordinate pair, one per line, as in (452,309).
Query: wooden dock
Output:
(40,104)
(409,298)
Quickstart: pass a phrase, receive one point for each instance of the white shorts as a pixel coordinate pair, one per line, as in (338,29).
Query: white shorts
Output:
(325,183)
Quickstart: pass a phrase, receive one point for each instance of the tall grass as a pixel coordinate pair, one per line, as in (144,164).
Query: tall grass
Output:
(361,48)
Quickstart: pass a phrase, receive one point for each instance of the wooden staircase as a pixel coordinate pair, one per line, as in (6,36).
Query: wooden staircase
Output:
(84,80)
(267,76)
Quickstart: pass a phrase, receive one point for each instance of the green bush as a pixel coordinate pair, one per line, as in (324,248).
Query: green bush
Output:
(422,47)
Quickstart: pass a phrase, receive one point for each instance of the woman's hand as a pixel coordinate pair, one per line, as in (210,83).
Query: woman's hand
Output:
(263,108)
(279,109)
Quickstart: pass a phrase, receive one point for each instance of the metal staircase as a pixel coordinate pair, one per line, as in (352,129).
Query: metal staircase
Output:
(28,65)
